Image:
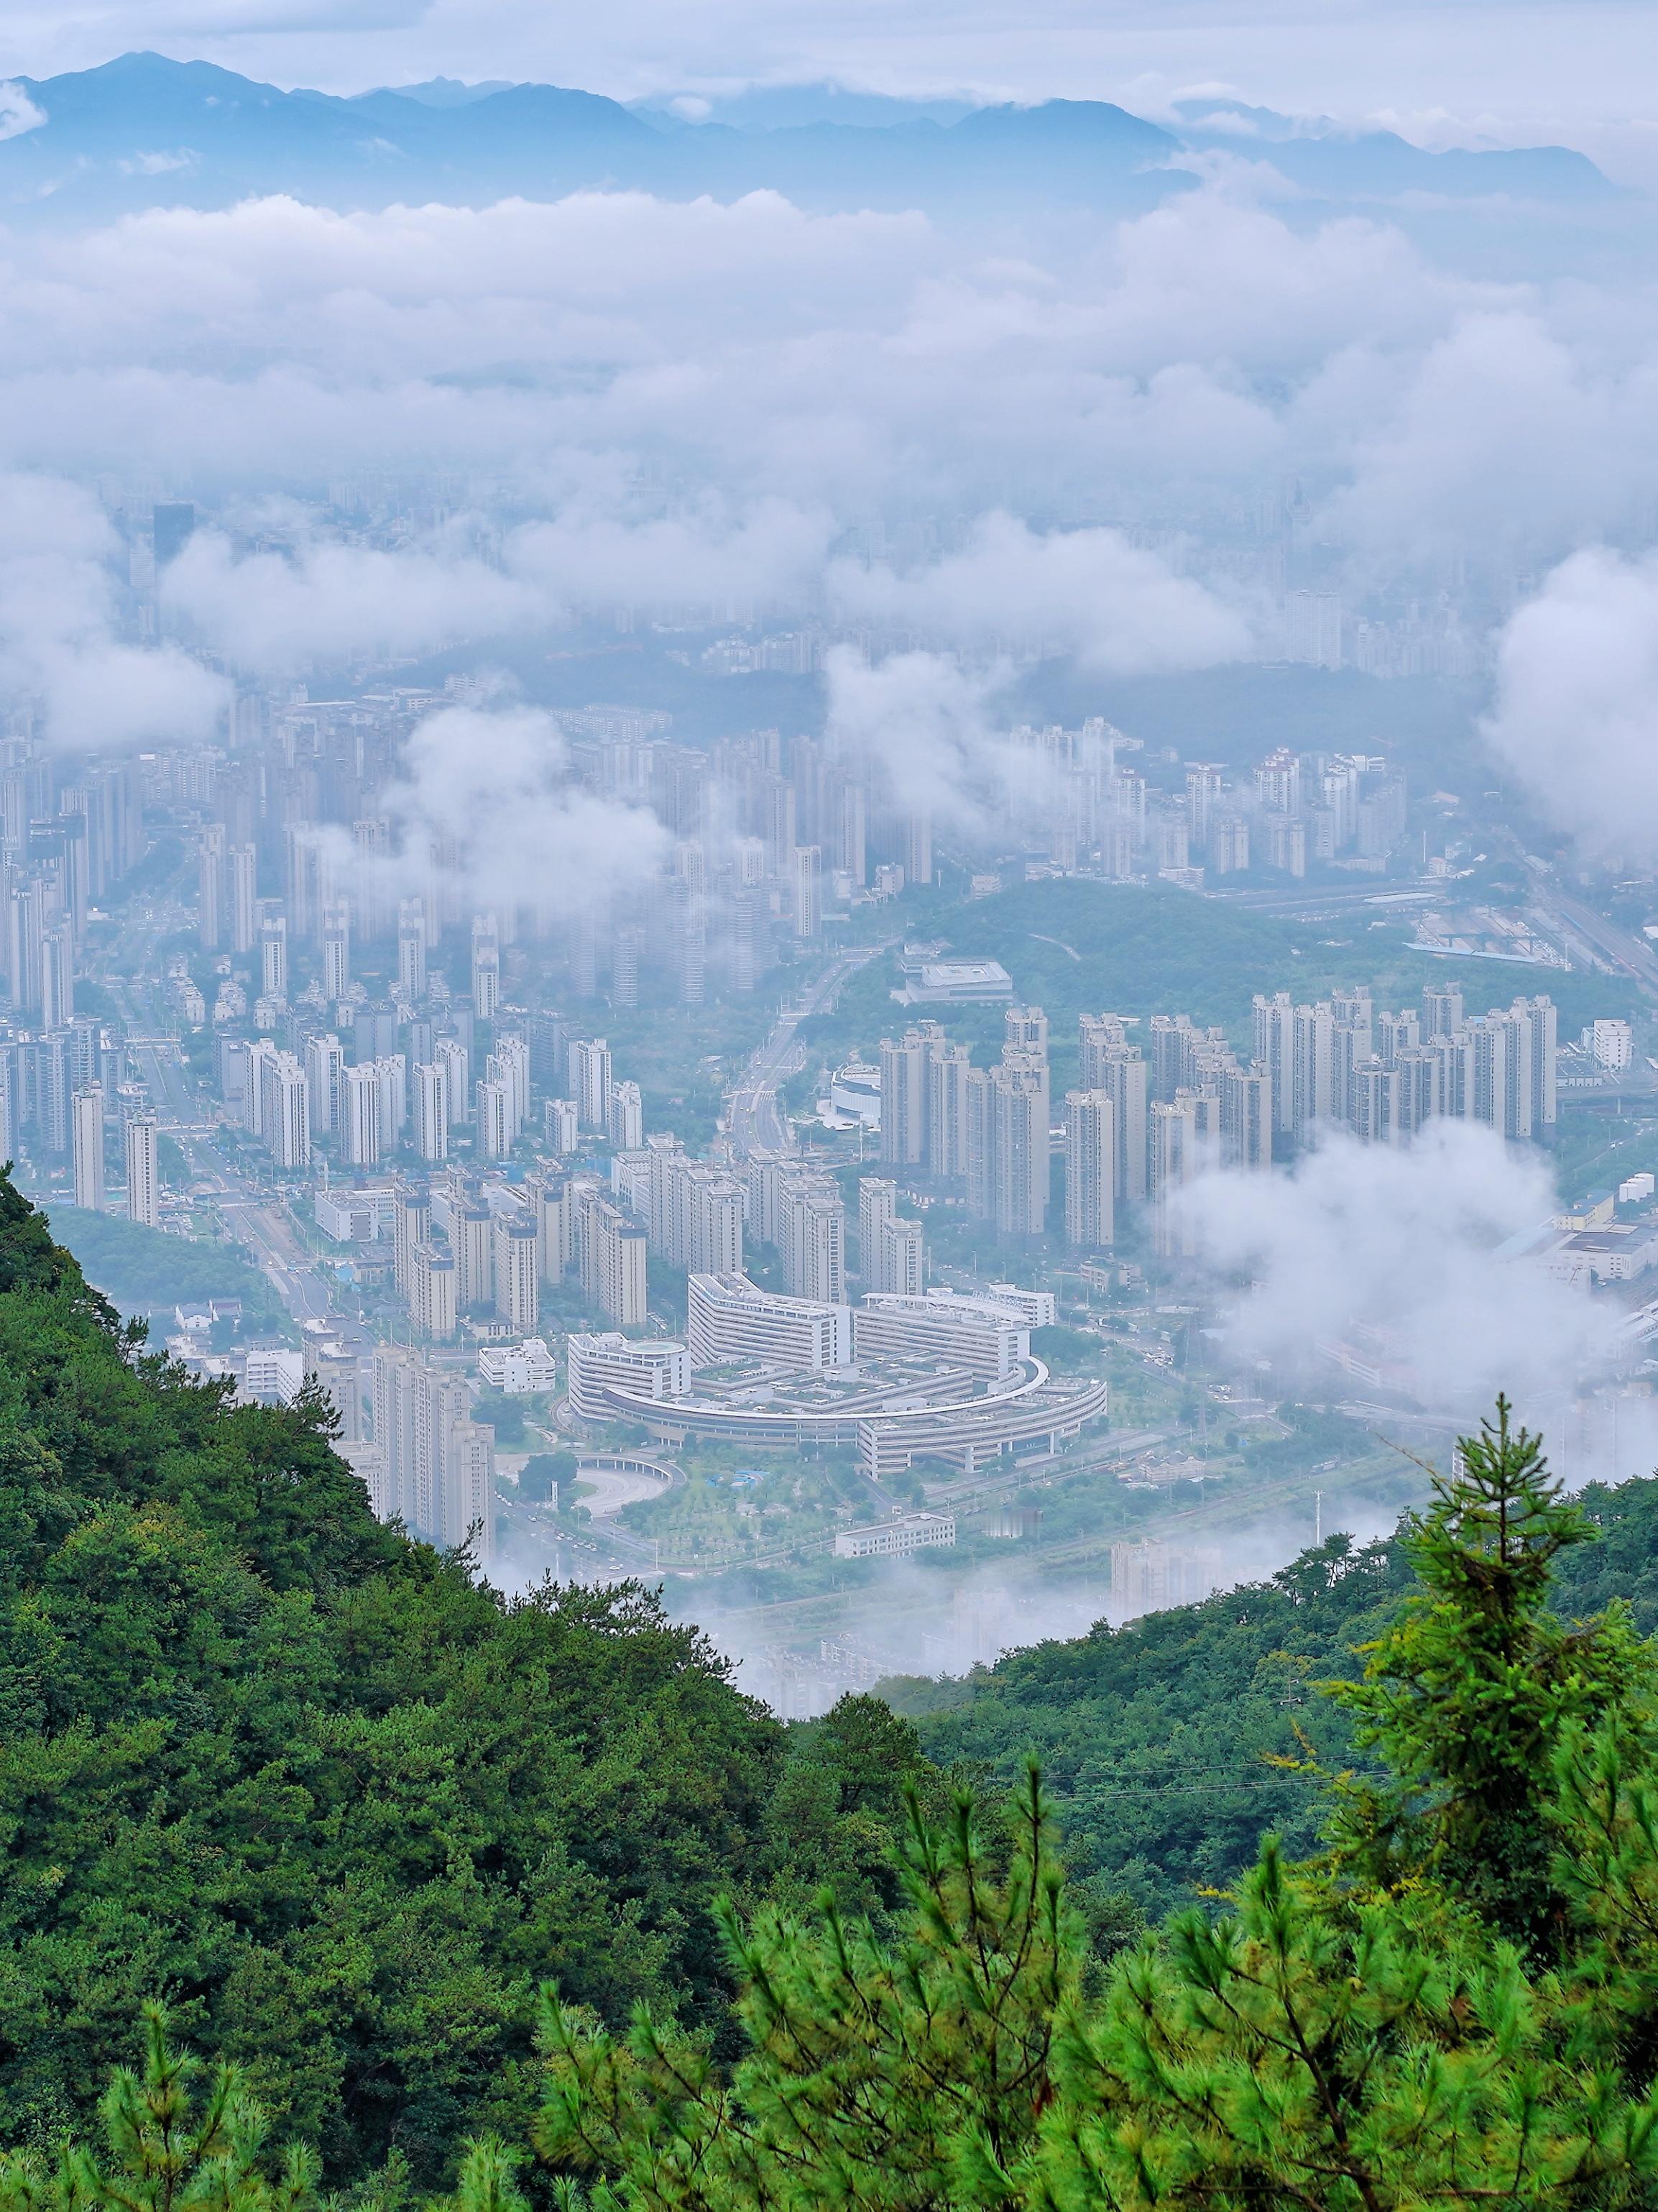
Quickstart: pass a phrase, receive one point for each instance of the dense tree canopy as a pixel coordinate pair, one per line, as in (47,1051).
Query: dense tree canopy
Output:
(338,1806)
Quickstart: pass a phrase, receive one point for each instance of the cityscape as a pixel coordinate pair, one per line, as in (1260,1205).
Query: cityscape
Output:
(828,1107)
(458,1146)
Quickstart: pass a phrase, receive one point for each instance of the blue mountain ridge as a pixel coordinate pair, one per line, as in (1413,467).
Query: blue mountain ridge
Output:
(144,130)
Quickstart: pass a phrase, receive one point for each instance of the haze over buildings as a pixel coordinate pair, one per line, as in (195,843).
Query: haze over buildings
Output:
(743,770)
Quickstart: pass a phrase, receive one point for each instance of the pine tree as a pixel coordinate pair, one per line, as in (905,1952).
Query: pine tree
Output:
(900,2078)
(167,2148)
(1467,1697)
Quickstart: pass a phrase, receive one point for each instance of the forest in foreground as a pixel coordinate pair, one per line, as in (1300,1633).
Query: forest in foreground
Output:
(394,1886)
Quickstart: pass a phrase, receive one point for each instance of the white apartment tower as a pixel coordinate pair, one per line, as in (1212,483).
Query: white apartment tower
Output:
(284,1109)
(431,1105)
(143,1178)
(808,892)
(589,1081)
(624,1117)
(517,1269)
(244,898)
(325,1071)
(486,966)
(273,955)
(87,1145)
(336,951)
(360,1117)
(1090,1170)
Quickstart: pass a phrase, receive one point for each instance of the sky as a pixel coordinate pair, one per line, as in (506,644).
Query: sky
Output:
(1460,72)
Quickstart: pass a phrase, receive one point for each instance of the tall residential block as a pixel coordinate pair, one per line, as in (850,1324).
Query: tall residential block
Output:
(1090,1170)
(144,1172)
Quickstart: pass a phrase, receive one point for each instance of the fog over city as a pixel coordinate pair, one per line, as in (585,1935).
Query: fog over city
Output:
(863,813)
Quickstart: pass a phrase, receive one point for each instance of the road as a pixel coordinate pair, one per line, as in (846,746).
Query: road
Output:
(1631,956)
(753,1120)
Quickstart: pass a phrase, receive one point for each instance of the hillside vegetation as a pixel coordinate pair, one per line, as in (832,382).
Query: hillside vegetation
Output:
(341,1806)
(407,1855)
(1157,1740)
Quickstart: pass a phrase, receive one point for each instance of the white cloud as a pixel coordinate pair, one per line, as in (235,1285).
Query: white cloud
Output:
(1399,1250)
(18,112)
(1122,610)
(58,641)
(274,614)
(1575,713)
(923,729)
(489,787)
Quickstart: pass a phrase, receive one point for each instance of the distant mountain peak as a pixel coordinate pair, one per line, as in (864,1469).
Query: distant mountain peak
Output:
(444,91)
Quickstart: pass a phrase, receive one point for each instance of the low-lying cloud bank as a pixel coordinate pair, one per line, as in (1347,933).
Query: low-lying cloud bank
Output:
(1576,712)
(1177,373)
(1405,1258)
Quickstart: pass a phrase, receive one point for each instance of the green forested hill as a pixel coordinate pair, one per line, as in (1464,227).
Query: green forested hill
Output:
(342,1809)
(1158,1739)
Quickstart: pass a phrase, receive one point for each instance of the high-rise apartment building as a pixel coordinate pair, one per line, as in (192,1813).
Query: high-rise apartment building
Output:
(210,888)
(624,1117)
(946,1111)
(450,1053)
(336,951)
(614,1257)
(549,1194)
(244,898)
(1013,1144)
(284,1109)
(439,1463)
(495,1123)
(86,1146)
(808,891)
(904,1098)
(589,1081)
(1090,1170)
(471,1239)
(486,966)
(430,1098)
(324,1073)
(1275,1053)
(56,974)
(412,1227)
(1246,1117)
(432,1296)
(1111,1064)
(813,1238)
(359,1129)
(411,949)
(1177,1157)
(144,1171)
(273,955)
(891,1250)
(517,1269)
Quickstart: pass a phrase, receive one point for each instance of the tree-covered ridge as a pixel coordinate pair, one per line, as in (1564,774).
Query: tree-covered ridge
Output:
(1158,1741)
(341,1808)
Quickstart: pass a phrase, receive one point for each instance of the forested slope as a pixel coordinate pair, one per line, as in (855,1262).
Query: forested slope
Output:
(342,1809)
(1157,1740)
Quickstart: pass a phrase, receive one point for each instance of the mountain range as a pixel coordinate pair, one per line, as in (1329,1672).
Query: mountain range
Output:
(143,130)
